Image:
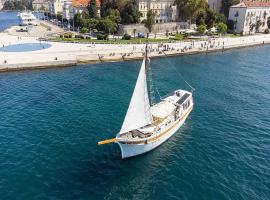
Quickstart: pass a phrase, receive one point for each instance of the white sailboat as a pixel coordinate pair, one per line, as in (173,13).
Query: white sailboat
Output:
(145,127)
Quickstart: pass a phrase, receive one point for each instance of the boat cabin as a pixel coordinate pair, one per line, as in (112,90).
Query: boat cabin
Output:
(171,108)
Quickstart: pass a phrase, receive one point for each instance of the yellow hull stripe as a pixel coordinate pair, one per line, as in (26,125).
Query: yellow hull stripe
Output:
(149,140)
(161,134)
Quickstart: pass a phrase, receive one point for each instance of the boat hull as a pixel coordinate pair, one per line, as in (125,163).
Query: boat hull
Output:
(130,150)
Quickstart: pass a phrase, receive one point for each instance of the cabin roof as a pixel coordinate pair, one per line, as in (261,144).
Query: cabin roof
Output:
(183,98)
(162,109)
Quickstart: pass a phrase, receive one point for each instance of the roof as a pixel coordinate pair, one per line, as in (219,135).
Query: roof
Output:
(39,1)
(252,3)
(83,3)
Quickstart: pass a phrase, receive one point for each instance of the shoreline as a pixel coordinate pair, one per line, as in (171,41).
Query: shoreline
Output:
(71,54)
(61,64)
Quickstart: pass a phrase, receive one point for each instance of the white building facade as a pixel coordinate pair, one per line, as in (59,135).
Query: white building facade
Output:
(40,5)
(165,10)
(250,17)
(56,6)
(72,7)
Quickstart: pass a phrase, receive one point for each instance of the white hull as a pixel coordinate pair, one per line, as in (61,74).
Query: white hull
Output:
(129,150)
(27,18)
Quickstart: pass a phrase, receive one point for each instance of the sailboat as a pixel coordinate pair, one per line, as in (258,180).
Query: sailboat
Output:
(146,126)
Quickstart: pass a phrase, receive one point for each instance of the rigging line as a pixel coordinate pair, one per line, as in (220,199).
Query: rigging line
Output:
(179,74)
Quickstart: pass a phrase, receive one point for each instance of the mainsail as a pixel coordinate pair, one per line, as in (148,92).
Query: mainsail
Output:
(138,113)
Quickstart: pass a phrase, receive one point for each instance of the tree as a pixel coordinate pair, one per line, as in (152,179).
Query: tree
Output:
(258,25)
(84,30)
(150,20)
(107,26)
(121,5)
(8,5)
(190,8)
(201,29)
(251,28)
(113,15)
(17,5)
(226,4)
(130,13)
(222,28)
(134,32)
(220,18)
(268,22)
(82,19)
(105,5)
(92,8)
(231,25)
(200,19)
(210,18)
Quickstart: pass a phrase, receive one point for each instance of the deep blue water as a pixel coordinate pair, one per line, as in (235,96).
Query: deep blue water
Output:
(51,120)
(23,47)
(8,19)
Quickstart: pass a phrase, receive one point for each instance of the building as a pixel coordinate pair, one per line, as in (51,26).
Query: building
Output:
(165,10)
(40,5)
(72,7)
(67,11)
(250,16)
(215,5)
(56,6)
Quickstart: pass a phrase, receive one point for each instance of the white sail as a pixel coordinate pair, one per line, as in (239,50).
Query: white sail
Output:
(138,113)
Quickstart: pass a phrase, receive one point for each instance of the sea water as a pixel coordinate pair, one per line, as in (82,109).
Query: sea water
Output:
(52,119)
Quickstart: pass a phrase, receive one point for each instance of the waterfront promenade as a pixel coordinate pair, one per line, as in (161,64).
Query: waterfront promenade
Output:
(63,54)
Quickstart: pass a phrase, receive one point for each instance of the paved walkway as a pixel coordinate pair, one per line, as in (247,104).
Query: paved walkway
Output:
(60,53)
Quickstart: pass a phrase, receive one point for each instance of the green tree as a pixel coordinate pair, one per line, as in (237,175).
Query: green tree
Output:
(251,28)
(200,19)
(222,28)
(201,29)
(121,5)
(258,25)
(92,23)
(82,19)
(268,22)
(189,9)
(84,30)
(106,25)
(226,4)
(92,8)
(210,18)
(130,13)
(220,18)
(113,15)
(17,5)
(150,20)
(8,5)
(231,25)
(105,5)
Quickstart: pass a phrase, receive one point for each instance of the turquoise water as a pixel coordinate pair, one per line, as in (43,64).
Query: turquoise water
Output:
(23,47)
(51,120)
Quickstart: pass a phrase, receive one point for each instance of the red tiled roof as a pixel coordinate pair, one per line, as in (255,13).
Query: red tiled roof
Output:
(253,3)
(83,3)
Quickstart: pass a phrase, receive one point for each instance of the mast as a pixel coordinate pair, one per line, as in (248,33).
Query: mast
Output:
(146,56)
(138,113)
